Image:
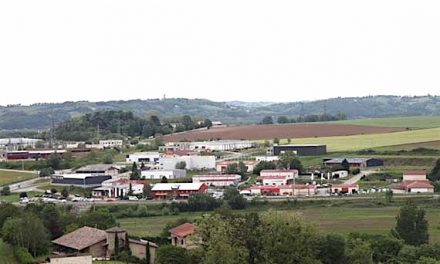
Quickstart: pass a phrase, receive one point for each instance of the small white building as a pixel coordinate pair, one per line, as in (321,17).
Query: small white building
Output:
(120,187)
(145,157)
(159,174)
(222,180)
(111,143)
(192,162)
(277,177)
(344,188)
(267,158)
(340,174)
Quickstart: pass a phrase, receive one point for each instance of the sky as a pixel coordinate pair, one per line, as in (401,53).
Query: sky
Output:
(55,51)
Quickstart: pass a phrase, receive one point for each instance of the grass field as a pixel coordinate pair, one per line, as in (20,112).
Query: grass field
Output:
(359,142)
(411,122)
(6,255)
(334,219)
(9,177)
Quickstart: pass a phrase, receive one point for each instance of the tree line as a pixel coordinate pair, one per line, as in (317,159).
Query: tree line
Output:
(120,124)
(305,119)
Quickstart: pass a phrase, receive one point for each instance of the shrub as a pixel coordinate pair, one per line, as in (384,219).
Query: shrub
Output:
(23,256)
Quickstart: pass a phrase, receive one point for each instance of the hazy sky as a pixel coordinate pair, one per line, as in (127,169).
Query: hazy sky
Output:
(53,51)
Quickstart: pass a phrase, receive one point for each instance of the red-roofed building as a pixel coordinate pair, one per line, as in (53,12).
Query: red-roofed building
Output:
(344,188)
(272,190)
(414,175)
(180,235)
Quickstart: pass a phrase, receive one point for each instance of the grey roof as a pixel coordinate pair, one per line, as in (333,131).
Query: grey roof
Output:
(97,167)
(81,238)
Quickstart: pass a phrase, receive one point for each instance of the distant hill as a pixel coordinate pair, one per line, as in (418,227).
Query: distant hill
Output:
(38,116)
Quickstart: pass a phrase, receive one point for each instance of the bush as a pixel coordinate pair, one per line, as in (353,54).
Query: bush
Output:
(5,191)
(23,256)
(356,171)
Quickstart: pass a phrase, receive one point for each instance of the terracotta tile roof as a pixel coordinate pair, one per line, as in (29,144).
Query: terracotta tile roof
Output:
(416,184)
(81,238)
(183,230)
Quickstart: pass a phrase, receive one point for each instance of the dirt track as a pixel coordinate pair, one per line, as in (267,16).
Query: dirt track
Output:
(254,132)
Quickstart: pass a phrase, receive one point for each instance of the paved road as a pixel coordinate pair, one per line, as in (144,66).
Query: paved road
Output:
(358,177)
(26,186)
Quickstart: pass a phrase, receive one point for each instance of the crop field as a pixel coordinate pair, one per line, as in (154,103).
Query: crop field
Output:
(9,177)
(359,142)
(259,132)
(338,219)
(6,255)
(404,122)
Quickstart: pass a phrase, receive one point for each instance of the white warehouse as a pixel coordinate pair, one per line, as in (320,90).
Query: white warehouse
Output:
(220,145)
(192,162)
(145,157)
(159,174)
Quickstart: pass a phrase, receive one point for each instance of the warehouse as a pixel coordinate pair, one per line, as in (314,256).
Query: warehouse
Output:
(300,150)
(354,162)
(80,180)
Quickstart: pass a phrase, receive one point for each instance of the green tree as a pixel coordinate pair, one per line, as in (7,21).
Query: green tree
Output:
(6,211)
(54,161)
(164,180)
(187,122)
(411,225)
(5,191)
(242,168)
(434,175)
(100,218)
(288,160)
(276,141)
(65,192)
(232,168)
(345,165)
(207,123)
(51,217)
(181,165)
(333,249)
(117,251)
(234,199)
(147,253)
(283,120)
(360,252)
(267,120)
(427,260)
(172,255)
(264,165)
(389,196)
(135,172)
(27,231)
(108,159)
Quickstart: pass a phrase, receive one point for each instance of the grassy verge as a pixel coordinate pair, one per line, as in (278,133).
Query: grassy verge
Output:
(9,177)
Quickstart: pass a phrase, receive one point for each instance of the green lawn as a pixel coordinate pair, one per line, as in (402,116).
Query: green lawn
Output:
(359,142)
(6,255)
(9,177)
(151,226)
(327,219)
(411,122)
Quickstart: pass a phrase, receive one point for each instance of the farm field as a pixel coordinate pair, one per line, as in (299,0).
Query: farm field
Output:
(6,255)
(9,177)
(340,220)
(404,122)
(359,142)
(259,132)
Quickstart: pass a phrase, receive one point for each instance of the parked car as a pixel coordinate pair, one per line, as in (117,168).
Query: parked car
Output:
(133,198)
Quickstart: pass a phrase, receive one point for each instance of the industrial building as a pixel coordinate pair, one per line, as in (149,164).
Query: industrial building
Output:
(300,150)
(159,174)
(354,162)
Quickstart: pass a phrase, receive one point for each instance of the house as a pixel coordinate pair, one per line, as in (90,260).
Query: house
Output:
(300,150)
(99,169)
(354,162)
(298,190)
(414,175)
(223,165)
(270,190)
(100,244)
(180,236)
(143,157)
(344,188)
(116,188)
(414,181)
(192,162)
(159,174)
(83,180)
(277,177)
(177,190)
(111,143)
(221,180)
